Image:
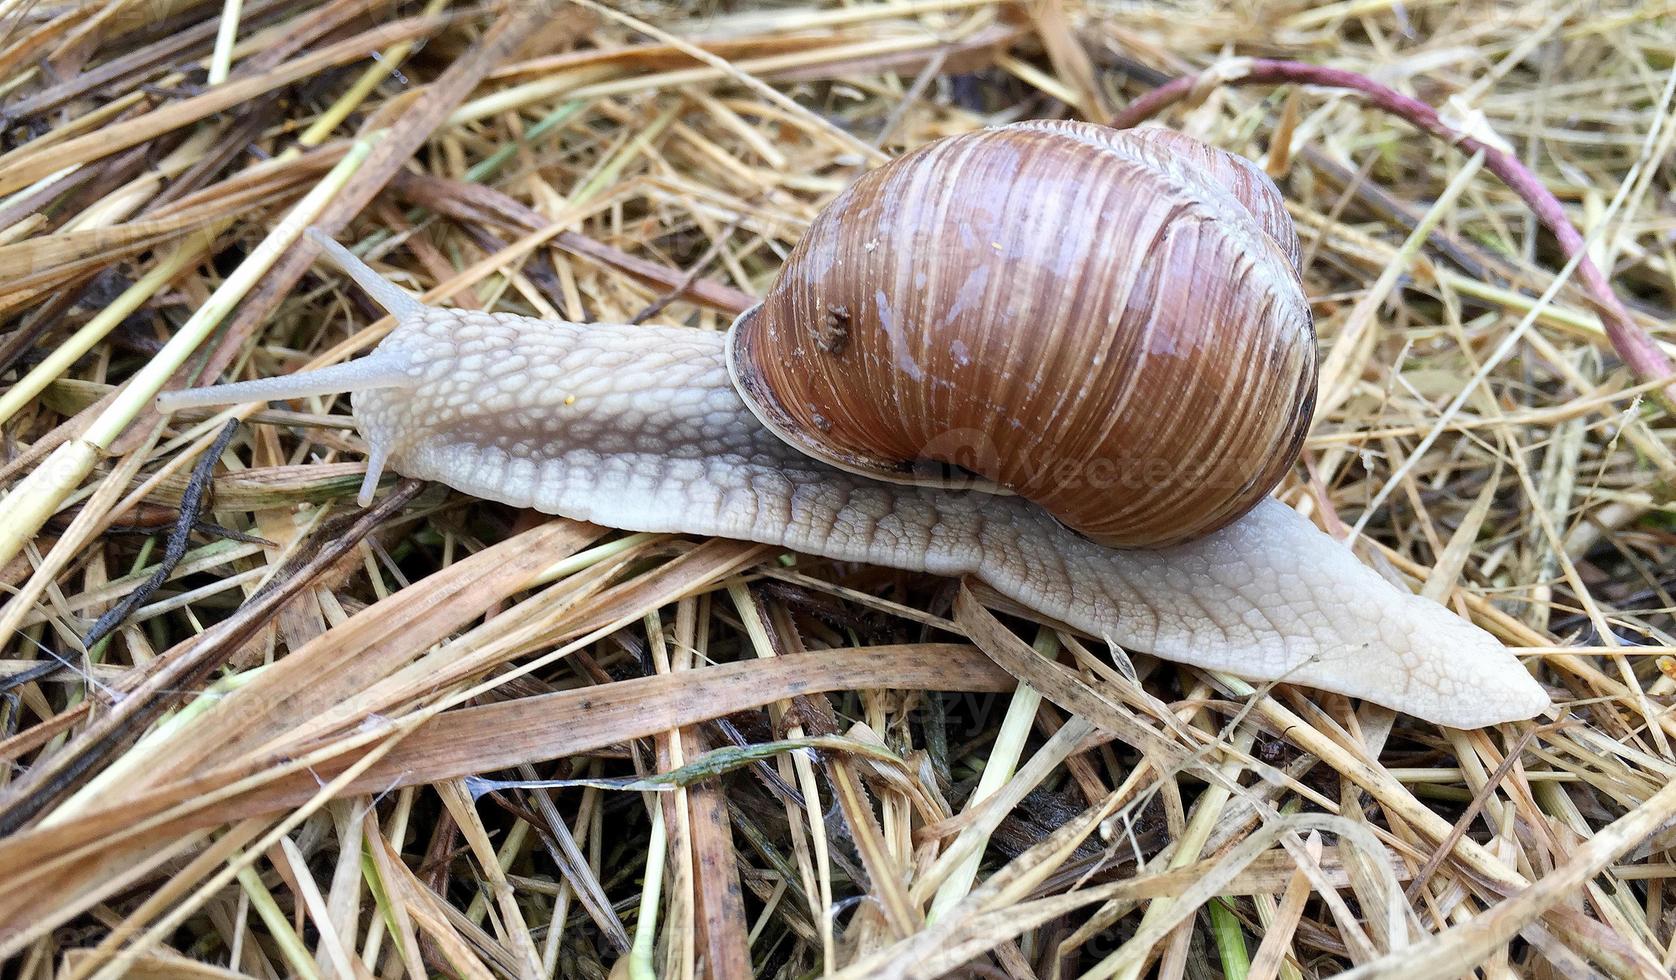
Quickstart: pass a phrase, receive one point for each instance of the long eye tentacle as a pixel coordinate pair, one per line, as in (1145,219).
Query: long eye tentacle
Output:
(386,367)
(381,369)
(383,292)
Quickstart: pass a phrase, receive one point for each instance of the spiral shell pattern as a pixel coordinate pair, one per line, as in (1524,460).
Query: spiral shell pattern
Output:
(1109,323)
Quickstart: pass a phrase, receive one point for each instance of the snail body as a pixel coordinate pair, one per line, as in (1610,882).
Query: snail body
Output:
(671,429)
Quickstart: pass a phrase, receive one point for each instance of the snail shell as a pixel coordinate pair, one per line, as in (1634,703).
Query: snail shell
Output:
(1109,323)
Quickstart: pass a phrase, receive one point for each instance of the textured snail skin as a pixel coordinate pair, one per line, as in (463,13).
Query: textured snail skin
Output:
(640,428)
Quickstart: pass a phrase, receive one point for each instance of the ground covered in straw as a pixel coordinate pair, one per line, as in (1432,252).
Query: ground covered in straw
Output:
(250,728)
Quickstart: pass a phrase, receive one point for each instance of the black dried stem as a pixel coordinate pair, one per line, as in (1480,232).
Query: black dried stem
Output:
(180,538)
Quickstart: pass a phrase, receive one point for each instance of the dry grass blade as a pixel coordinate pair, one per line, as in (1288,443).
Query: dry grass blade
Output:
(248,730)
(19,173)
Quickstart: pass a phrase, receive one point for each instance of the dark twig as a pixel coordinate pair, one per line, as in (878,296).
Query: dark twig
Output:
(695,270)
(208,529)
(916,90)
(48,315)
(31,675)
(180,538)
(1475,260)
(761,768)
(1637,349)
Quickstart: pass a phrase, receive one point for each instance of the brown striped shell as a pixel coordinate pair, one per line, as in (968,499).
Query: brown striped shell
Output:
(1110,323)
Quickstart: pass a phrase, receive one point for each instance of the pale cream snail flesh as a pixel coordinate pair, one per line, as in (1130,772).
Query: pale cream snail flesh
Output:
(1043,311)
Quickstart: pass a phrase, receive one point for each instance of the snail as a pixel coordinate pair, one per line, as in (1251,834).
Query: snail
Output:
(1070,361)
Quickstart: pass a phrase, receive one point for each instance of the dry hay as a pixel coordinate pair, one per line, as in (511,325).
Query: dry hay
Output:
(446,736)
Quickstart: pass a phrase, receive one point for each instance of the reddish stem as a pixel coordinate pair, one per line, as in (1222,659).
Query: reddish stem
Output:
(1637,349)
